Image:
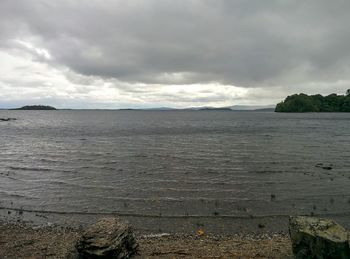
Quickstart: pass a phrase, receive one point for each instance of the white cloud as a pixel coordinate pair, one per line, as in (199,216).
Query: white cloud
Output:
(40,52)
(25,78)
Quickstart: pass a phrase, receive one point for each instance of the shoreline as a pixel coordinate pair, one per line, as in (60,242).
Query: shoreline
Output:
(20,240)
(215,225)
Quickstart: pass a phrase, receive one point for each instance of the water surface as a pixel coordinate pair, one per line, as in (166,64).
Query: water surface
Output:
(175,170)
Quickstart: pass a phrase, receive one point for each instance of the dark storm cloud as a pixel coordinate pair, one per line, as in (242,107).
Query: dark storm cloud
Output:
(245,43)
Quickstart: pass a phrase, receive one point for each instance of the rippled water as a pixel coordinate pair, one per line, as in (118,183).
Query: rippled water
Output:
(174,170)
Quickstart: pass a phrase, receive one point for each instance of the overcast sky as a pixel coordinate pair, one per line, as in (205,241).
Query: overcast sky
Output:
(148,53)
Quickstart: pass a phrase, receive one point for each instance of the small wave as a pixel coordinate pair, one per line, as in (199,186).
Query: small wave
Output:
(18,168)
(112,162)
(16,195)
(141,215)
(48,160)
(179,200)
(12,178)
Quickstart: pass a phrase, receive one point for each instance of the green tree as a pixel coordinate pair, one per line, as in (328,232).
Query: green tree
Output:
(315,103)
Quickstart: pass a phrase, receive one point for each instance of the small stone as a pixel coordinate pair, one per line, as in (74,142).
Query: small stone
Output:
(260,225)
(108,238)
(318,238)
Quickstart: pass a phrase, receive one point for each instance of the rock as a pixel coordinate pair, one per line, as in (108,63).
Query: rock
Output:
(273,197)
(108,238)
(325,167)
(8,119)
(318,238)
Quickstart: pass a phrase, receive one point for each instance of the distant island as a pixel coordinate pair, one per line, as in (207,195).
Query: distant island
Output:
(36,107)
(315,103)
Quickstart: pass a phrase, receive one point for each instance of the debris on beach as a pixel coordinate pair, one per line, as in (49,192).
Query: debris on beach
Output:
(200,232)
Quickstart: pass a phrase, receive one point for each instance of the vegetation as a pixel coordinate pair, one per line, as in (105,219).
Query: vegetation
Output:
(315,103)
(36,107)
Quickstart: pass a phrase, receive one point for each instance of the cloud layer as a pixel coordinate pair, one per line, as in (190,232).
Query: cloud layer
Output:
(133,53)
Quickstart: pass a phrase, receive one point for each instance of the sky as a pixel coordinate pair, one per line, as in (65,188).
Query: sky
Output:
(166,53)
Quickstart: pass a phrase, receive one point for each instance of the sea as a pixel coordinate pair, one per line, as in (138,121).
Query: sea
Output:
(223,172)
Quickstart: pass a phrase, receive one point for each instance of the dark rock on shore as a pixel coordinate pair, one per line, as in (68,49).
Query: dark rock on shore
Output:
(108,238)
(318,238)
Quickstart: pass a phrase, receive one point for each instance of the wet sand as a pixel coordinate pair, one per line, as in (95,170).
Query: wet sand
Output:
(22,241)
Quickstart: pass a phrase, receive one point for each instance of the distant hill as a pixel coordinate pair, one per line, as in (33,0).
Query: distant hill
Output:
(209,108)
(315,103)
(251,107)
(203,108)
(265,110)
(159,109)
(215,109)
(36,107)
(235,108)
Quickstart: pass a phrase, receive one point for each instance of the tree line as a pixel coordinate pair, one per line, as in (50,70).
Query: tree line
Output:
(315,103)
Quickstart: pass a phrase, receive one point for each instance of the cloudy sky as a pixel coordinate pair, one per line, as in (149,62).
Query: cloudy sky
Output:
(151,53)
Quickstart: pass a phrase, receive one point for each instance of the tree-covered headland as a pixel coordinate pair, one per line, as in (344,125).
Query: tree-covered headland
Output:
(315,103)
(36,107)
